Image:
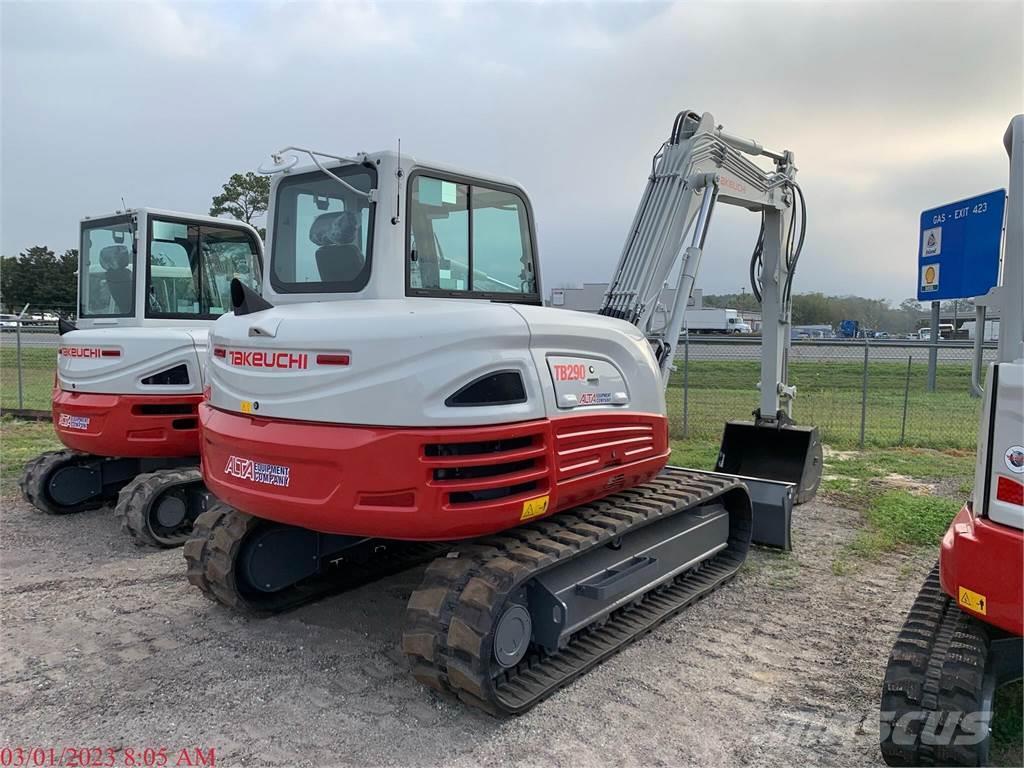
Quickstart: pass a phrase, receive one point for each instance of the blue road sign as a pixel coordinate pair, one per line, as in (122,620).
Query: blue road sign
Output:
(958,251)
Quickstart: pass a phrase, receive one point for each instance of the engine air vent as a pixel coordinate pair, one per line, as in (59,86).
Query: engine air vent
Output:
(499,388)
(489,470)
(176,375)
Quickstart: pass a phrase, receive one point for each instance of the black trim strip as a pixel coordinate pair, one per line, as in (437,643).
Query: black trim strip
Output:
(453,400)
(993,385)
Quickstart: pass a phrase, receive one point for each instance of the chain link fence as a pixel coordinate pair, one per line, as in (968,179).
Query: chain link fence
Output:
(858,393)
(28,363)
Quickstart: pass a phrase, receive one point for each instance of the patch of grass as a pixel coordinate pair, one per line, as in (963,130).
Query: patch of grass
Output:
(841,567)
(694,454)
(899,520)
(917,463)
(829,396)
(38,367)
(857,481)
(21,441)
(1008,726)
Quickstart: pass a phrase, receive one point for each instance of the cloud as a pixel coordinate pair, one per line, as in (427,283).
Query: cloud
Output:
(890,108)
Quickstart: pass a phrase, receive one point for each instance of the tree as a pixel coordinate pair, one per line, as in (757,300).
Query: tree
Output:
(245,197)
(39,277)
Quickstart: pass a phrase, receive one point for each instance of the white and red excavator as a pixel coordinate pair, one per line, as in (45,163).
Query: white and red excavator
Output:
(964,635)
(400,386)
(130,373)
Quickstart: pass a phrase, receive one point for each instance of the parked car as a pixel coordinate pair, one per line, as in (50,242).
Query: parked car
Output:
(8,322)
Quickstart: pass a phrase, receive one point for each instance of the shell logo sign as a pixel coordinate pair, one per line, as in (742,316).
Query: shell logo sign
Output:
(930,277)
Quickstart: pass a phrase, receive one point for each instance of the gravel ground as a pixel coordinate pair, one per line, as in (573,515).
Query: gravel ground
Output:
(107,645)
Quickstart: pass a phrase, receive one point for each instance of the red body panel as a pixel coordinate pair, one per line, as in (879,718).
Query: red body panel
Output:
(424,483)
(988,559)
(128,426)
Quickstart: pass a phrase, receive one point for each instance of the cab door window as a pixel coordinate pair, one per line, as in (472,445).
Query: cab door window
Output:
(468,240)
(190,268)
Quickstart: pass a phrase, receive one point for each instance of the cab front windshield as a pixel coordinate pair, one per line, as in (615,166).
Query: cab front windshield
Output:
(322,232)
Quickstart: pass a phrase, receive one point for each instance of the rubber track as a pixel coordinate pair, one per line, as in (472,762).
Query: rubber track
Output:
(36,475)
(451,617)
(217,536)
(137,498)
(937,669)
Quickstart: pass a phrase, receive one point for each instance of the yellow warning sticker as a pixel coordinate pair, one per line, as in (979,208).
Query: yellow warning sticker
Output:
(534,508)
(972,601)
(247,406)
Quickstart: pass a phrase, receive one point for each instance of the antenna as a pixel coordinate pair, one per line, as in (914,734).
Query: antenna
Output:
(397,218)
(131,222)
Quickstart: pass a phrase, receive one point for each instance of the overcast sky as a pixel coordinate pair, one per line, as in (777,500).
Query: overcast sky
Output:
(890,108)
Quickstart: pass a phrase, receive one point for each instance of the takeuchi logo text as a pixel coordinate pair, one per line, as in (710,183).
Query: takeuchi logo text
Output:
(258,472)
(259,359)
(81,352)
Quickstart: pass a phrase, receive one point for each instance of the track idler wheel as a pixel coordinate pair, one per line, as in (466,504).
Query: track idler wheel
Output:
(159,508)
(61,483)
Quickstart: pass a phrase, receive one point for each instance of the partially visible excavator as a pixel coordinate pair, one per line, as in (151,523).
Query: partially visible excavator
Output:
(401,386)
(964,635)
(130,373)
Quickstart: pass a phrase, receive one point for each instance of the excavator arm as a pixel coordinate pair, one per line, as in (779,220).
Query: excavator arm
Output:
(698,167)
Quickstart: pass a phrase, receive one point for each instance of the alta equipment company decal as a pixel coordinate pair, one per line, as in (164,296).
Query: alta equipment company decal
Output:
(73,422)
(258,472)
(1014,458)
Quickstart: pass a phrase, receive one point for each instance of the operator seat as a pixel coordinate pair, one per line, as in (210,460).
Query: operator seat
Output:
(120,281)
(339,258)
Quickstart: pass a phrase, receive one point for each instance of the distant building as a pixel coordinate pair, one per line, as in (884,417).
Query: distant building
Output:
(590,297)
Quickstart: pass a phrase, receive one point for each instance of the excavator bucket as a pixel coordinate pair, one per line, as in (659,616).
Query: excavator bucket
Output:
(789,454)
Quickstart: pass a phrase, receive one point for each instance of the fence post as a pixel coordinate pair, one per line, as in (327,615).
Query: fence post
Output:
(686,384)
(906,396)
(21,388)
(933,346)
(864,395)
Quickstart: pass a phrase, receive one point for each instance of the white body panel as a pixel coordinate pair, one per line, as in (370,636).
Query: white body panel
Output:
(408,356)
(581,335)
(144,351)
(998,456)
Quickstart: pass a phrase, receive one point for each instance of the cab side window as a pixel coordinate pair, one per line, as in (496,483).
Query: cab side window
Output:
(468,240)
